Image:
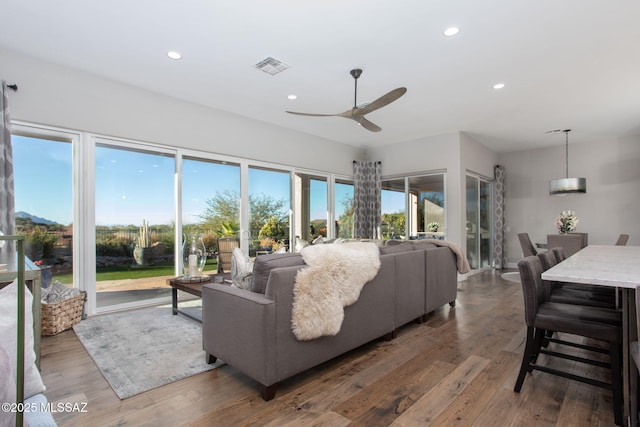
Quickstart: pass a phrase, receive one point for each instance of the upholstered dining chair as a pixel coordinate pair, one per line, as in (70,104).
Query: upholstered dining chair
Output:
(225,251)
(527,247)
(560,256)
(543,318)
(579,294)
(622,240)
(571,242)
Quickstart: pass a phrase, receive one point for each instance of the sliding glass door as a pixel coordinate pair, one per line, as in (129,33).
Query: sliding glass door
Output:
(134,223)
(479,229)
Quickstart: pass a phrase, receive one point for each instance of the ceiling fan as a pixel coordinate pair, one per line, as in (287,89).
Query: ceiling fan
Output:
(357,113)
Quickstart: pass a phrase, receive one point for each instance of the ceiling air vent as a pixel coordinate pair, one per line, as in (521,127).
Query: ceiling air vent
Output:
(271,66)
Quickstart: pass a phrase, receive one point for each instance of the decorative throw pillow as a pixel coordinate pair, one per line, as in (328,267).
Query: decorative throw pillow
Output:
(301,243)
(241,269)
(9,340)
(58,292)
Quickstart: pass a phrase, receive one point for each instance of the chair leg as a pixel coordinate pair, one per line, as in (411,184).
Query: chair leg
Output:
(529,349)
(540,340)
(616,380)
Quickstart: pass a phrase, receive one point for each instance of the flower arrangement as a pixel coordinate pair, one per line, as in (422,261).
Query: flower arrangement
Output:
(267,243)
(433,226)
(566,222)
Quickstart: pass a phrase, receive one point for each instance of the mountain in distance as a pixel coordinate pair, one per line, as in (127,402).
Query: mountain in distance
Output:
(34,219)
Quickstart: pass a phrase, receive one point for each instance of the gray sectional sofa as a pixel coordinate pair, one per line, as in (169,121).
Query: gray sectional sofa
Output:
(251,329)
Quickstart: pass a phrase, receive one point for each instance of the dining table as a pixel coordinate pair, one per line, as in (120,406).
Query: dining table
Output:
(618,267)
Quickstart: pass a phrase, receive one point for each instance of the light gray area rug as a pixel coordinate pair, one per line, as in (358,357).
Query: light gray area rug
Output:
(140,350)
(511,277)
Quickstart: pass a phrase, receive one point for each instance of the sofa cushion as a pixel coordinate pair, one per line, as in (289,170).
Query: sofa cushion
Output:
(396,248)
(423,244)
(263,265)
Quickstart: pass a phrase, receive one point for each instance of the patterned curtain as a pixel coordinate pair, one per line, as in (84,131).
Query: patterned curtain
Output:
(367,203)
(499,259)
(7,208)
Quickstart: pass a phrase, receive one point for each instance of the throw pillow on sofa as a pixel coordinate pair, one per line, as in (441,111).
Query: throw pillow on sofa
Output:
(241,269)
(265,263)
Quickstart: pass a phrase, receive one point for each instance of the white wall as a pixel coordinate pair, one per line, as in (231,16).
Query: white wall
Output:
(610,206)
(59,96)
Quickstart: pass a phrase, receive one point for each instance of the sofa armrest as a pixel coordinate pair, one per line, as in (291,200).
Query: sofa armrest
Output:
(238,326)
(441,278)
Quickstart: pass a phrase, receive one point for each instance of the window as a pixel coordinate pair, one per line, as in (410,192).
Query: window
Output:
(424,196)
(269,209)
(43,188)
(311,206)
(393,218)
(105,197)
(426,199)
(343,208)
(210,202)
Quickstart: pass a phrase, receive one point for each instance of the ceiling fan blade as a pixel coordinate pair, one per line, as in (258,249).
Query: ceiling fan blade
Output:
(312,114)
(382,101)
(368,125)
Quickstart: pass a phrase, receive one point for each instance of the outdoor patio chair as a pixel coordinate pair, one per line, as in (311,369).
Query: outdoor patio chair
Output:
(225,251)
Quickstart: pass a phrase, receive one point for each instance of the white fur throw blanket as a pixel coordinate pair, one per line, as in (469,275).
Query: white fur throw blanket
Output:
(335,276)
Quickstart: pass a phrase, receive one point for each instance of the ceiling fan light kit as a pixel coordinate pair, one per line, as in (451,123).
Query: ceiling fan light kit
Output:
(562,186)
(357,113)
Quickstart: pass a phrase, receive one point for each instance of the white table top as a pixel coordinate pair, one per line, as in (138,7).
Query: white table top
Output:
(617,266)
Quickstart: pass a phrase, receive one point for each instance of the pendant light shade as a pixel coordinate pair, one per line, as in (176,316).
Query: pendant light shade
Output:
(567,185)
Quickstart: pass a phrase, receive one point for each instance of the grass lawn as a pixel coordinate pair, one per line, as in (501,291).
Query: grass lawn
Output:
(121,272)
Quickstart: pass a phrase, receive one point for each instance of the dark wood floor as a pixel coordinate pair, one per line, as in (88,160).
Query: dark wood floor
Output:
(456,369)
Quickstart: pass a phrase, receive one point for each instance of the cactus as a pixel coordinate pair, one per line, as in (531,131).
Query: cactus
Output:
(144,236)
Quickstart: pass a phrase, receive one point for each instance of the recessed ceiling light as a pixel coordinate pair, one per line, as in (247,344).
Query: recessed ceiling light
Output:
(451,31)
(498,86)
(292,97)
(174,55)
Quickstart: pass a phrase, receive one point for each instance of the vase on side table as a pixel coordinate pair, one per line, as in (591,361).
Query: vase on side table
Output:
(194,256)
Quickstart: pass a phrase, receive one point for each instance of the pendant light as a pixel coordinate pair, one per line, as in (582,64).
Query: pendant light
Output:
(567,185)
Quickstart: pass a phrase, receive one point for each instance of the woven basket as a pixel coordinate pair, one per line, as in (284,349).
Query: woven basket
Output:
(60,316)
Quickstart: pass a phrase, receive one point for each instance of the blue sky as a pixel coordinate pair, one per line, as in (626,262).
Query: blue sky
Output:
(42,178)
(132,186)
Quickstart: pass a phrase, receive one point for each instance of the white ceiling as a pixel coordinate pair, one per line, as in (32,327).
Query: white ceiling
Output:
(566,64)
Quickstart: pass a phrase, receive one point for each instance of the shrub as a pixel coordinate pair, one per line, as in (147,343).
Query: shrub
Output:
(40,243)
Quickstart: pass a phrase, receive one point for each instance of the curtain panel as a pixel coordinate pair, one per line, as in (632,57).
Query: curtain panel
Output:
(7,206)
(367,199)
(499,259)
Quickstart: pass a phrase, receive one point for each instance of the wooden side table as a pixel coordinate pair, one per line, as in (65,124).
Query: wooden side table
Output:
(193,287)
